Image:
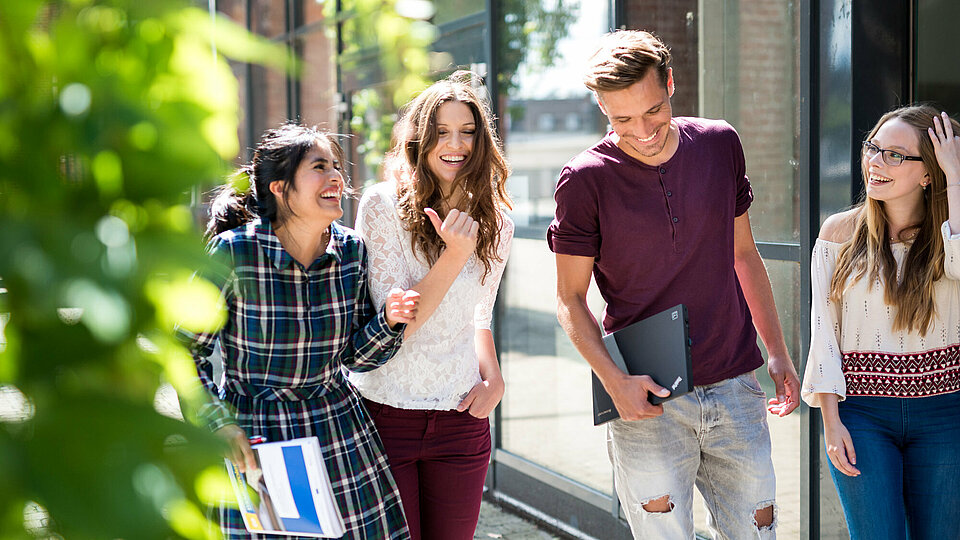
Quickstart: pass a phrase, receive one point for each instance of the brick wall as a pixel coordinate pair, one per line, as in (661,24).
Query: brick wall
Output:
(674,22)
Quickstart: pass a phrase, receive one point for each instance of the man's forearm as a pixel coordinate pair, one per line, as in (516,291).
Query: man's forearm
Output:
(759,296)
(585,334)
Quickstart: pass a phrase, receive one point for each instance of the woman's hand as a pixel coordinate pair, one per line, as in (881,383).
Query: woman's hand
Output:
(482,398)
(946,145)
(458,231)
(240,452)
(840,447)
(402,306)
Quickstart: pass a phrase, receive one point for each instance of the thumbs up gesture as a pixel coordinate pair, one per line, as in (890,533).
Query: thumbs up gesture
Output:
(458,231)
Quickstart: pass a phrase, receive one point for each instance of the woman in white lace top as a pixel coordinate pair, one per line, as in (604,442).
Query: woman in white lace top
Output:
(438,226)
(884,364)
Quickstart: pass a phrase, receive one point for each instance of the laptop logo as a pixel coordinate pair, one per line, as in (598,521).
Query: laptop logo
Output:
(676,383)
(674,316)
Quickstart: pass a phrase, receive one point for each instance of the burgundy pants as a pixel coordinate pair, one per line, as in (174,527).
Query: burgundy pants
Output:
(439,460)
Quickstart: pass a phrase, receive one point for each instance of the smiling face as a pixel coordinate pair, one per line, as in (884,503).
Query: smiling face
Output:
(900,183)
(640,116)
(456,129)
(318,185)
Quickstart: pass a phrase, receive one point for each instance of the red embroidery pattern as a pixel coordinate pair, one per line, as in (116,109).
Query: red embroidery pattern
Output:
(902,375)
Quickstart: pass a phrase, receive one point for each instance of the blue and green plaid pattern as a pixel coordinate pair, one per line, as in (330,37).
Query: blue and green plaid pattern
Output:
(289,331)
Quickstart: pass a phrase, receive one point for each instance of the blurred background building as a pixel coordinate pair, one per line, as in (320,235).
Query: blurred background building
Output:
(802,82)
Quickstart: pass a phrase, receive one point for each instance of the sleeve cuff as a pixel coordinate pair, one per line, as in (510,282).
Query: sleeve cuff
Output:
(388,338)
(215,416)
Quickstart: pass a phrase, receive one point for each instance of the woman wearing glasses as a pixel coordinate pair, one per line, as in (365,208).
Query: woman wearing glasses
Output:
(884,364)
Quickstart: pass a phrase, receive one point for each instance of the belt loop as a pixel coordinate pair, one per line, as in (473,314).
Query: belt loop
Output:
(431,423)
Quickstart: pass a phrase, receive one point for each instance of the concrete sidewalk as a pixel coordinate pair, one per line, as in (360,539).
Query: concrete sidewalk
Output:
(496,523)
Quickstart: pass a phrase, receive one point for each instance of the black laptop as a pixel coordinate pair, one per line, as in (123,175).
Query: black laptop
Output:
(657,346)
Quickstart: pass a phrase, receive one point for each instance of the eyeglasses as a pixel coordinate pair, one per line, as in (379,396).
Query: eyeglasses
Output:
(890,157)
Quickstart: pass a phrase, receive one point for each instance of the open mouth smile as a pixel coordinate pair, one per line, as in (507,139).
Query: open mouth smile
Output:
(650,138)
(331,194)
(877,180)
(453,159)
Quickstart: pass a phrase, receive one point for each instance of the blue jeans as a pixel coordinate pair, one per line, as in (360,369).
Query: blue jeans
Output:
(716,438)
(908,453)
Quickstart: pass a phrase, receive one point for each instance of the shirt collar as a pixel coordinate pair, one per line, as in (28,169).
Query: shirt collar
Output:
(279,257)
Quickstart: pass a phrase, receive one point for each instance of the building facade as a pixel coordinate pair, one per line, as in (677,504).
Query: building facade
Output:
(801,81)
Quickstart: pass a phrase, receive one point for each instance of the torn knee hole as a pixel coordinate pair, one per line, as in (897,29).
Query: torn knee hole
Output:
(661,505)
(764,517)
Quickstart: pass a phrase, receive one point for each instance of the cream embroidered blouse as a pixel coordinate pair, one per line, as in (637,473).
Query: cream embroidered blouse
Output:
(438,365)
(853,349)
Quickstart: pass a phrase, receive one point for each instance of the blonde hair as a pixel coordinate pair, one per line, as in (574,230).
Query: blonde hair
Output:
(868,253)
(483,178)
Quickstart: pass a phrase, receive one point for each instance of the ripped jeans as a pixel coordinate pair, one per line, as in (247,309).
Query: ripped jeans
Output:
(716,438)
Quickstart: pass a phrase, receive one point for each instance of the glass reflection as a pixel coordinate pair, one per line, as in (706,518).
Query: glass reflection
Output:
(548,117)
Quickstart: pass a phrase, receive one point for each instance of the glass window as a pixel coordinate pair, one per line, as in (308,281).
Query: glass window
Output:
(451,10)
(938,65)
(546,415)
(546,123)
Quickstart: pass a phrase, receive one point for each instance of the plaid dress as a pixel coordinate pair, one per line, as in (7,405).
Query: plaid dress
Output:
(289,331)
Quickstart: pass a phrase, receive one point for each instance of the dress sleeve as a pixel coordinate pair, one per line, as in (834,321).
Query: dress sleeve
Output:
(483,314)
(951,251)
(824,371)
(372,339)
(382,269)
(213,414)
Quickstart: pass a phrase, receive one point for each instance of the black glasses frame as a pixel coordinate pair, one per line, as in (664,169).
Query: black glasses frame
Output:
(890,157)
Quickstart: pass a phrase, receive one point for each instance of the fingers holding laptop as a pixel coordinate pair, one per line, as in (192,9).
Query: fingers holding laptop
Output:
(630,395)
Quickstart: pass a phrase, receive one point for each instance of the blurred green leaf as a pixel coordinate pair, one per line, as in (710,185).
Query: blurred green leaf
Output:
(111,113)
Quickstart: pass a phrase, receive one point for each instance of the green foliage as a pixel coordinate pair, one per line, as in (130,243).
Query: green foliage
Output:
(529,32)
(110,113)
(387,51)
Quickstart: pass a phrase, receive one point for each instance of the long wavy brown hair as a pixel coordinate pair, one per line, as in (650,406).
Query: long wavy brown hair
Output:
(868,252)
(482,178)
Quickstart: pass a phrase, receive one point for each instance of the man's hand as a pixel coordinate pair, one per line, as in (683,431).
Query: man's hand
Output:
(401,306)
(240,452)
(629,394)
(787,383)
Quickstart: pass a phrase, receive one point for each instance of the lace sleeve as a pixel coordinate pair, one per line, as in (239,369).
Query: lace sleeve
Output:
(484,310)
(382,233)
(824,371)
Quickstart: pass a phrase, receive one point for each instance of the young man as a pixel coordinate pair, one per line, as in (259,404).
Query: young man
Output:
(657,211)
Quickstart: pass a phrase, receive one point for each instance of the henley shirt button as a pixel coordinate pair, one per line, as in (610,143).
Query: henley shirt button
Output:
(669,194)
(663,171)
(676,220)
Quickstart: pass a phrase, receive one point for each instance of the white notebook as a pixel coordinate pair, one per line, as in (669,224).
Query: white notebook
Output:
(290,494)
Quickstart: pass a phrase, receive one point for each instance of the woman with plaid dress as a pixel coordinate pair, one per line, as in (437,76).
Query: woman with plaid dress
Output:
(294,283)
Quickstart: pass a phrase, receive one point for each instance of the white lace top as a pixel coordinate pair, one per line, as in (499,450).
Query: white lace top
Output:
(853,349)
(438,364)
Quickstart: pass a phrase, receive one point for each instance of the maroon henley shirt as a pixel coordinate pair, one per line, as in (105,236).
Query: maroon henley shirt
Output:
(662,236)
